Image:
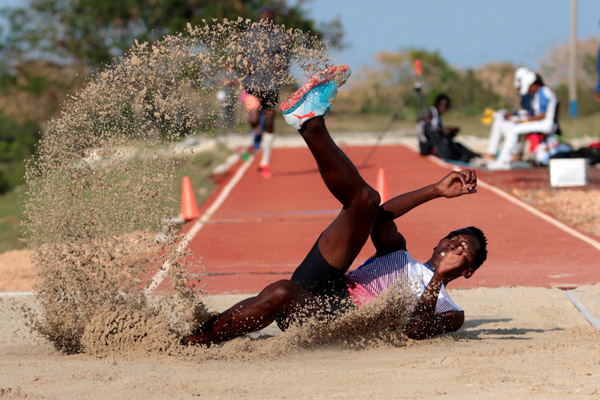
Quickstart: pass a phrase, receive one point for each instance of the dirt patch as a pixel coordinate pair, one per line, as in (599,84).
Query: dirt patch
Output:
(16,271)
(579,208)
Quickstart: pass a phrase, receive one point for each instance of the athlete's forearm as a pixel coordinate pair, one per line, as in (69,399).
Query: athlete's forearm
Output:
(402,204)
(423,321)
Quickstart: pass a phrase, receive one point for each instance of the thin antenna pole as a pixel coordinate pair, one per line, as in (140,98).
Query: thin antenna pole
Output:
(573,61)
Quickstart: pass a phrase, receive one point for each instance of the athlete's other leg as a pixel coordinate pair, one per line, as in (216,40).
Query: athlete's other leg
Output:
(280,298)
(343,239)
(267,143)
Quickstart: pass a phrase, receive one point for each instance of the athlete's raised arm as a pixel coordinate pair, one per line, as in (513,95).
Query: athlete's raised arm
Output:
(385,235)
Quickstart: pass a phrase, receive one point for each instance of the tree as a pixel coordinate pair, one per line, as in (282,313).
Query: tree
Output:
(393,80)
(498,77)
(93,32)
(555,68)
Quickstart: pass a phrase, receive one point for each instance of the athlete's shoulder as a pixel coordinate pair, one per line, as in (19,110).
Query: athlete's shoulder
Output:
(402,253)
(396,258)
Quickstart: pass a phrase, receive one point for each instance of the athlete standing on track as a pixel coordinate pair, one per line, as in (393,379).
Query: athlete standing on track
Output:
(320,284)
(265,52)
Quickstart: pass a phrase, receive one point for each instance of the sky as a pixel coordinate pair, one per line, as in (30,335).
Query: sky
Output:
(467,33)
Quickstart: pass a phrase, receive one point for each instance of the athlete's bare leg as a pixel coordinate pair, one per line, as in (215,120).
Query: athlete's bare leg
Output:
(280,298)
(343,239)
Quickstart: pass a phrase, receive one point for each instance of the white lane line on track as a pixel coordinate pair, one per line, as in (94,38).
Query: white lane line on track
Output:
(200,222)
(520,203)
(585,312)
(17,294)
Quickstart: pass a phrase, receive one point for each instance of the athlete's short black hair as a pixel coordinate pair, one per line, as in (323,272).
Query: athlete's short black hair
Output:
(481,254)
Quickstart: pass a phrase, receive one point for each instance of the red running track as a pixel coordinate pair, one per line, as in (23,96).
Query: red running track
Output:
(265,227)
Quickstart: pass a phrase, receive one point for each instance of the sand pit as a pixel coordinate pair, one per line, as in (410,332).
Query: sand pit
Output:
(516,343)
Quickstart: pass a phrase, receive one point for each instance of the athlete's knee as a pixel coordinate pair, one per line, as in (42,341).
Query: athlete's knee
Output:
(368,199)
(374,199)
(279,294)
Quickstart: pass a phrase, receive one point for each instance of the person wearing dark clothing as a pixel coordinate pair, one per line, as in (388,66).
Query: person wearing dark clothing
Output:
(266,53)
(437,139)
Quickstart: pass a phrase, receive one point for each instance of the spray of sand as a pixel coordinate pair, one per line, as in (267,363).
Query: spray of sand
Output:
(101,183)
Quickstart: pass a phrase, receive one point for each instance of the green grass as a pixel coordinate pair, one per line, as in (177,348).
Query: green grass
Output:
(582,126)
(586,126)
(198,167)
(11,213)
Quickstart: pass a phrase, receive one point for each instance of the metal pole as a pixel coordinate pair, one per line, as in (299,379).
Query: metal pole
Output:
(573,61)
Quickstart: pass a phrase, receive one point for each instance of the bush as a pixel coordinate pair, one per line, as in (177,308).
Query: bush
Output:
(393,80)
(17,143)
(585,102)
(5,184)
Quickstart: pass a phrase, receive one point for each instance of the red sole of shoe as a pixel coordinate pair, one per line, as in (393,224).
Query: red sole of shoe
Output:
(320,77)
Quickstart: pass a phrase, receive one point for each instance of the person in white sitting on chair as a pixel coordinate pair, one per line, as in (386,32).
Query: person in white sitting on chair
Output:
(542,121)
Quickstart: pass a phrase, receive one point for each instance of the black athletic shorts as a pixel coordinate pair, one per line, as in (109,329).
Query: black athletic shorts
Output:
(317,276)
(268,98)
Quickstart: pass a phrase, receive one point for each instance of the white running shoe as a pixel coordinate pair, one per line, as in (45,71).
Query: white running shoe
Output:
(498,166)
(314,98)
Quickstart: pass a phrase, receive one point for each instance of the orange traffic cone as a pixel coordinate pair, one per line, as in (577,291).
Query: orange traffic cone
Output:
(189,208)
(381,186)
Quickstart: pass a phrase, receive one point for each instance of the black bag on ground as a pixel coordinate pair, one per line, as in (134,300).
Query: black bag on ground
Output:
(443,146)
(592,154)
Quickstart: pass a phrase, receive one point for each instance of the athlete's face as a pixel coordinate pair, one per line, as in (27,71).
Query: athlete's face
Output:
(461,238)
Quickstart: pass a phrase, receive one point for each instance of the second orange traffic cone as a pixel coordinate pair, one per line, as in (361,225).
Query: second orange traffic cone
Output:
(381,186)
(189,208)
